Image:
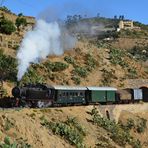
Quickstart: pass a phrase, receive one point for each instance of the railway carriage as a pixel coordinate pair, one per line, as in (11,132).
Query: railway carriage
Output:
(65,95)
(101,95)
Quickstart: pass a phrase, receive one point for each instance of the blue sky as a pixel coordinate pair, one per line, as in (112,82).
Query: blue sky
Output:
(131,9)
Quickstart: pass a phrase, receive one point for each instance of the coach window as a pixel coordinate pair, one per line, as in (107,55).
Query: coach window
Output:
(63,94)
(60,94)
(70,93)
(81,93)
(76,94)
(67,94)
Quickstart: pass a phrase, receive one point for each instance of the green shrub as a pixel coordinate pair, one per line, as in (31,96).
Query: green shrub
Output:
(59,66)
(69,59)
(20,21)
(141,126)
(7,67)
(139,52)
(132,73)
(118,134)
(81,71)
(130,123)
(32,76)
(4,8)
(70,130)
(76,80)
(7,26)
(49,65)
(116,57)
(55,66)
(8,124)
(18,143)
(107,77)
(90,62)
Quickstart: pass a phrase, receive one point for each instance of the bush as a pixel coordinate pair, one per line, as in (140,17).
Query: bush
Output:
(142,125)
(139,53)
(59,66)
(4,8)
(108,77)
(76,80)
(32,76)
(56,66)
(90,62)
(20,21)
(81,71)
(19,143)
(116,57)
(132,73)
(69,59)
(8,124)
(71,130)
(7,67)
(118,134)
(7,26)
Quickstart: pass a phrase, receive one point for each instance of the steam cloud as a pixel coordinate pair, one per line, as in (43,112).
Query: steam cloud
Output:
(45,39)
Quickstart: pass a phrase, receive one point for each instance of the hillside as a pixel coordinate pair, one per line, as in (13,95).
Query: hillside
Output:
(76,126)
(100,58)
(93,61)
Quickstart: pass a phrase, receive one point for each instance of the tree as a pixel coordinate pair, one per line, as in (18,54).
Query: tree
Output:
(115,17)
(7,26)
(98,15)
(20,14)
(20,21)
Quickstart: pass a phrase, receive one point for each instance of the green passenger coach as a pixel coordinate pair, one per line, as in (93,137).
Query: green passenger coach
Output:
(70,94)
(101,94)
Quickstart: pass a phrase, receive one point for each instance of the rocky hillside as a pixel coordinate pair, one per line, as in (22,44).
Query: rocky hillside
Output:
(75,127)
(114,60)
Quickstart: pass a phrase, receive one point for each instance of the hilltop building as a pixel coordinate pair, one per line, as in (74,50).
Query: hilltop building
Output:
(127,24)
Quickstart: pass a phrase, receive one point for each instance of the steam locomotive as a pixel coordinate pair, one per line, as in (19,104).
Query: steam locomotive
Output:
(39,95)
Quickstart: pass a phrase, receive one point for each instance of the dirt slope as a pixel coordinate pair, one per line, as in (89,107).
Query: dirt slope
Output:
(26,123)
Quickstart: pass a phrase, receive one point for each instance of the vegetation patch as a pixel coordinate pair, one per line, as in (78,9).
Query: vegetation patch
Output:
(90,62)
(139,53)
(69,60)
(81,71)
(7,67)
(117,57)
(55,66)
(118,134)
(19,143)
(7,26)
(108,76)
(8,124)
(70,130)
(32,76)
(76,80)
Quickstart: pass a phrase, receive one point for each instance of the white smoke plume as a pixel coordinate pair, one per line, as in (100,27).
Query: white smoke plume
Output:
(45,39)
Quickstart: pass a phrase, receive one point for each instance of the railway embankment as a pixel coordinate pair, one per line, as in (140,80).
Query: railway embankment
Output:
(61,126)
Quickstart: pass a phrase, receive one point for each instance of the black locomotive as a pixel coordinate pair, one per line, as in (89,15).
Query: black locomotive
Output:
(39,95)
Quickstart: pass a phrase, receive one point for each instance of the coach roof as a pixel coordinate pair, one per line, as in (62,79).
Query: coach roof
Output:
(59,87)
(101,88)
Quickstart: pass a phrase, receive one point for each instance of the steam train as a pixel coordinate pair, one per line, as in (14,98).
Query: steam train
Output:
(39,95)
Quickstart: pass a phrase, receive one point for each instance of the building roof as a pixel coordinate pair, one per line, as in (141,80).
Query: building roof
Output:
(101,88)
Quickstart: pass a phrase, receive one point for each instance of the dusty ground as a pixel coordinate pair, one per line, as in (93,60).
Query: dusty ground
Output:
(26,123)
